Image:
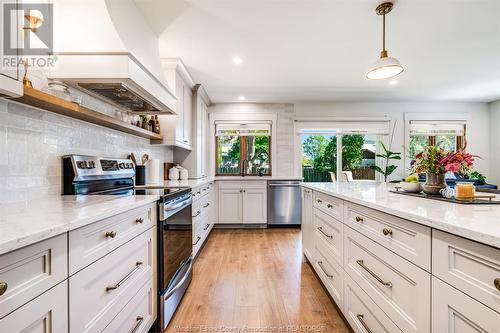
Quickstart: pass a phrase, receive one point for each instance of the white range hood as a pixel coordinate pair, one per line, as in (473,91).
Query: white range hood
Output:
(105,47)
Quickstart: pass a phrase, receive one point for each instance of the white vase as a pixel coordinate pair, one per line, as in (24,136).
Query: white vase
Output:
(173,173)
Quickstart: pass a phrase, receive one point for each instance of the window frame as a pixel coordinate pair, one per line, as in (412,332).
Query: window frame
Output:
(243,151)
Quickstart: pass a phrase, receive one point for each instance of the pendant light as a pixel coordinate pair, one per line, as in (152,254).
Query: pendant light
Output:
(386,66)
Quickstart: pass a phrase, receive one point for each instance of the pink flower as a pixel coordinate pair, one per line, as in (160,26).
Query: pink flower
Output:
(453,167)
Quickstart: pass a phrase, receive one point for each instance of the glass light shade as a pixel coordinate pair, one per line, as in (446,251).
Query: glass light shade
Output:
(384,68)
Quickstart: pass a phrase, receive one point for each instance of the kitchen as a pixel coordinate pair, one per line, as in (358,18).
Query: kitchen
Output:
(168,175)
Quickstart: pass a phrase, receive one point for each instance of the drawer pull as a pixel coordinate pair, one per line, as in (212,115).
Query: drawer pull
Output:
(361,263)
(362,321)
(3,287)
(111,234)
(137,265)
(496,282)
(320,264)
(387,232)
(324,233)
(138,323)
(197,240)
(205,206)
(359,219)
(329,206)
(206,227)
(319,201)
(197,213)
(139,220)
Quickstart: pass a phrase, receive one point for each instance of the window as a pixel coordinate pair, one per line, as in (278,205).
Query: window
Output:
(358,155)
(444,134)
(243,149)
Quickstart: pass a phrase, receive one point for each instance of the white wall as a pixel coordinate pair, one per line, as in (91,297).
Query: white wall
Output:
(477,124)
(494,130)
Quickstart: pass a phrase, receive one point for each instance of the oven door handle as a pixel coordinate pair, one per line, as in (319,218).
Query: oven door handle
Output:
(181,282)
(169,208)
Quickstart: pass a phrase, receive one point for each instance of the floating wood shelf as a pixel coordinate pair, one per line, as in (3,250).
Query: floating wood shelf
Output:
(42,100)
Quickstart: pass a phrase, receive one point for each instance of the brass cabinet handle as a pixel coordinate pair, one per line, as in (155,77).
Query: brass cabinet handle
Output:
(111,234)
(362,264)
(241,191)
(324,233)
(359,219)
(137,265)
(199,192)
(361,320)
(197,240)
(3,287)
(139,220)
(206,227)
(329,206)
(319,200)
(496,282)
(320,264)
(205,206)
(387,231)
(197,213)
(138,323)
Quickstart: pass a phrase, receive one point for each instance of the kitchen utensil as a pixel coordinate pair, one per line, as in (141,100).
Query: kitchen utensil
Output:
(132,157)
(145,159)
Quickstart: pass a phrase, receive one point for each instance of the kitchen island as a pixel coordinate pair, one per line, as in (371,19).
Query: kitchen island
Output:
(403,264)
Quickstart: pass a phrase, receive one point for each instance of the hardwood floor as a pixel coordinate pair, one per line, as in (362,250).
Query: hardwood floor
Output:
(255,279)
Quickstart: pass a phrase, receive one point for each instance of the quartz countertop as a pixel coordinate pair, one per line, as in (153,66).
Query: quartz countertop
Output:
(476,222)
(202,181)
(31,221)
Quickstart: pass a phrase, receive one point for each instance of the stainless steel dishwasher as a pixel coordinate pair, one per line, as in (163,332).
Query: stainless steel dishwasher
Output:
(283,203)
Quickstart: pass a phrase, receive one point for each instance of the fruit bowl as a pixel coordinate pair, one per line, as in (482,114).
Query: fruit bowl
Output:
(411,187)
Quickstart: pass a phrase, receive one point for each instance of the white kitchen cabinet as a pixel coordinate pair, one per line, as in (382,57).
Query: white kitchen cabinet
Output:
(47,313)
(196,160)
(230,203)
(455,312)
(177,129)
(242,202)
(307,224)
(11,78)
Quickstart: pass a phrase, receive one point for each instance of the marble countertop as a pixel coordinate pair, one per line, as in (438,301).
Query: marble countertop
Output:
(477,222)
(26,223)
(202,181)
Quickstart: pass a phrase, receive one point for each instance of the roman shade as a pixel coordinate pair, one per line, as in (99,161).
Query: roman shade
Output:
(433,128)
(251,129)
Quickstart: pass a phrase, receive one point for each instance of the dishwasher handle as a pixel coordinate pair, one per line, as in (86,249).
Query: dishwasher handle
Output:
(284,185)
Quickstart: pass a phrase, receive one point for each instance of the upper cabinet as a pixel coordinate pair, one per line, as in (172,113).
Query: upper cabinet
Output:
(177,130)
(10,76)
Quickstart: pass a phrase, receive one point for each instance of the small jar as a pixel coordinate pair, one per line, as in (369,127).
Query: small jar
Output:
(464,191)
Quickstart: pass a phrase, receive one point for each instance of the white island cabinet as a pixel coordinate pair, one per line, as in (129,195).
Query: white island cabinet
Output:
(399,272)
(109,285)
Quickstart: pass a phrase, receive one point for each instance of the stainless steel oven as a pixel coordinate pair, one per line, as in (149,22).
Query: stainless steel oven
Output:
(175,261)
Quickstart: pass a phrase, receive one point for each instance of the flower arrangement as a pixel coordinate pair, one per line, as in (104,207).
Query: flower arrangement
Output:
(435,160)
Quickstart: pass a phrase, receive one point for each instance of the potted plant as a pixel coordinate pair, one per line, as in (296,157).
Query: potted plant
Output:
(435,162)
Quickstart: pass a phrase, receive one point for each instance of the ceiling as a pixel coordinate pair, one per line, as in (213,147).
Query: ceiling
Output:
(320,50)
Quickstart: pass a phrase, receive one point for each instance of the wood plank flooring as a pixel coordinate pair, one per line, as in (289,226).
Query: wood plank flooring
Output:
(255,281)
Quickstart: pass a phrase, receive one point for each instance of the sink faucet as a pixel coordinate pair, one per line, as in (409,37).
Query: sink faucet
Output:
(244,164)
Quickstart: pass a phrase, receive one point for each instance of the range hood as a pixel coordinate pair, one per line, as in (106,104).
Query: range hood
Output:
(107,49)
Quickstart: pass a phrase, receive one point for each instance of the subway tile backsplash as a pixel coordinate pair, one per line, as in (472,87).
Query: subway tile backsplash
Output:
(32,142)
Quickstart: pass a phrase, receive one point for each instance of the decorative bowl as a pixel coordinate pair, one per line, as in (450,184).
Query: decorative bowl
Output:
(411,187)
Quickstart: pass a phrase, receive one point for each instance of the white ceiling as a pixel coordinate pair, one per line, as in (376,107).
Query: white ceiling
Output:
(320,50)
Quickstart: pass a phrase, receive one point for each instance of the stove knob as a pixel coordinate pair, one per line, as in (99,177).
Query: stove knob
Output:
(81,164)
(91,165)
(121,165)
(130,165)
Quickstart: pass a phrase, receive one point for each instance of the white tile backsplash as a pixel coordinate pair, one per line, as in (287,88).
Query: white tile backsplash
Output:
(32,142)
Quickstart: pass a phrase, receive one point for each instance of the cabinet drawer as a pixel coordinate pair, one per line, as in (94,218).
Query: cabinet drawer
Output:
(362,313)
(331,273)
(99,292)
(408,239)
(139,313)
(399,288)
(453,311)
(471,267)
(328,235)
(89,243)
(29,271)
(330,205)
(47,313)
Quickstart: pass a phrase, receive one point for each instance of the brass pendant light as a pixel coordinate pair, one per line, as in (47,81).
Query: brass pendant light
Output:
(386,66)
